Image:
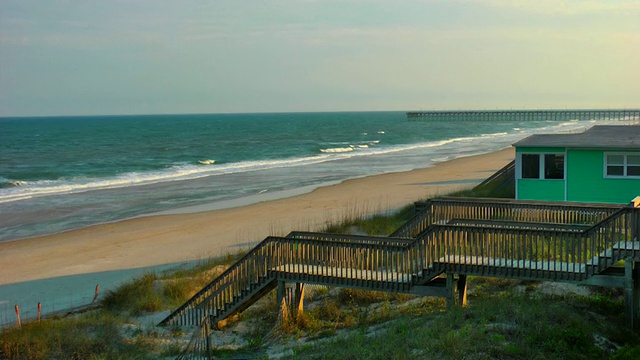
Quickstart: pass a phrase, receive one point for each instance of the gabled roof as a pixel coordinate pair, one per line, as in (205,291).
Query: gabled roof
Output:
(600,136)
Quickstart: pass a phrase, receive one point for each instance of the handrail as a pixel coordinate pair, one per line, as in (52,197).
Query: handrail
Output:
(572,254)
(519,224)
(511,165)
(444,209)
(363,239)
(256,266)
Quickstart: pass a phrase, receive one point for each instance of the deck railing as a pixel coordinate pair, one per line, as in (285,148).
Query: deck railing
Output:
(442,210)
(329,256)
(462,237)
(529,252)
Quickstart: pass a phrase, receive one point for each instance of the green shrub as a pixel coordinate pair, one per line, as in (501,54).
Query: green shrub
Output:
(90,336)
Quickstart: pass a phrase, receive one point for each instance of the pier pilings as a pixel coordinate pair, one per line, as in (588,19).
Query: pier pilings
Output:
(524,115)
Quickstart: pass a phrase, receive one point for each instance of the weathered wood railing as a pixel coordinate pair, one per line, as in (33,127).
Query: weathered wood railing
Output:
(349,238)
(558,249)
(257,271)
(199,346)
(528,252)
(506,169)
(442,210)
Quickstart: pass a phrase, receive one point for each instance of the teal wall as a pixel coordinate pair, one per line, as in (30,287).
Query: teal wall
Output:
(586,181)
(536,189)
(540,189)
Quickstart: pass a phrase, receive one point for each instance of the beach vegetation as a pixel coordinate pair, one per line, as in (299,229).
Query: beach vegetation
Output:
(376,225)
(92,335)
(502,186)
(505,319)
(501,322)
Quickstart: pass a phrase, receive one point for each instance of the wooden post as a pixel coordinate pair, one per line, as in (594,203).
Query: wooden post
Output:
(298,300)
(95,295)
(18,316)
(631,293)
(207,334)
(462,290)
(39,311)
(450,290)
(280,292)
(635,306)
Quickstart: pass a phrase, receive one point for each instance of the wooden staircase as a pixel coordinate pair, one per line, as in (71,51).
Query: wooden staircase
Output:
(498,238)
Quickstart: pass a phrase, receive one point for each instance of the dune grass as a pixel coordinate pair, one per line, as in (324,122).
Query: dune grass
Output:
(94,335)
(376,225)
(104,332)
(502,321)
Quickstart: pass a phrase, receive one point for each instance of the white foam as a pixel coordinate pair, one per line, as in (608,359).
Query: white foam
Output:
(337,150)
(185,171)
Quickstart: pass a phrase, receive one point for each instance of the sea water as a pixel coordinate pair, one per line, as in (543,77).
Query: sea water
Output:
(61,173)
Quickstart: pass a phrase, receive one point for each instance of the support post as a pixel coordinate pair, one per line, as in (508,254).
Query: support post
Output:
(450,290)
(207,334)
(631,293)
(298,305)
(636,295)
(280,291)
(462,290)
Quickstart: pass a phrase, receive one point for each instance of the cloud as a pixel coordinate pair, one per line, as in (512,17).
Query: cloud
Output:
(562,7)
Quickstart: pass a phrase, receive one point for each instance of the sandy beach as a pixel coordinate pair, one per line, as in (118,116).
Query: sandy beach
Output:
(111,251)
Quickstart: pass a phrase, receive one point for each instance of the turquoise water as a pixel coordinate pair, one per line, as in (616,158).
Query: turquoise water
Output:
(61,173)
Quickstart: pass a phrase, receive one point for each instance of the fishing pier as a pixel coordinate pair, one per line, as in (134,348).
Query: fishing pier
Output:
(524,115)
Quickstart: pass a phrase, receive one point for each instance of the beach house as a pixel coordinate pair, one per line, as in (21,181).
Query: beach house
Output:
(601,164)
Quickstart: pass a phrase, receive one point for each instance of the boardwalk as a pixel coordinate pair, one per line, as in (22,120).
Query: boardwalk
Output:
(434,252)
(523,115)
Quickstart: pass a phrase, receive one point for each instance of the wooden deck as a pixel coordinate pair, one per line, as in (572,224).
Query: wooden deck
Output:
(449,237)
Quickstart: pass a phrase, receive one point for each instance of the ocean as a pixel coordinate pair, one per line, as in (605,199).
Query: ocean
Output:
(62,173)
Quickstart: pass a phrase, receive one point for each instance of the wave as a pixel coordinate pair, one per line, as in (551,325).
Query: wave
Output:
(178,172)
(8,183)
(15,190)
(494,134)
(337,150)
(350,148)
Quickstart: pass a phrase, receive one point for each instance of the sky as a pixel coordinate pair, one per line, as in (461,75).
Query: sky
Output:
(99,57)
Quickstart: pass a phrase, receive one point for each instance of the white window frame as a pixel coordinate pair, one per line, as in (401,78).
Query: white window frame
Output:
(541,156)
(625,165)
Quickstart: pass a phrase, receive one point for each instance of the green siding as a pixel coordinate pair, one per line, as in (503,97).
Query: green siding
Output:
(586,181)
(540,189)
(536,189)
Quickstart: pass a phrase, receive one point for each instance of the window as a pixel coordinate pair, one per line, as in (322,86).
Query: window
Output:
(530,166)
(622,165)
(552,166)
